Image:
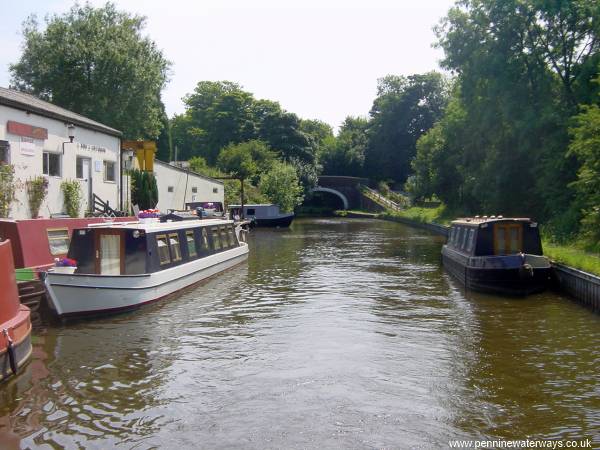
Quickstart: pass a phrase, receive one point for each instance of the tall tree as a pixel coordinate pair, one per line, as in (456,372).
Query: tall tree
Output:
(345,155)
(405,108)
(522,67)
(96,62)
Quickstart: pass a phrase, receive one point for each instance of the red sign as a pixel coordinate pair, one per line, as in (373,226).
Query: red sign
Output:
(22,129)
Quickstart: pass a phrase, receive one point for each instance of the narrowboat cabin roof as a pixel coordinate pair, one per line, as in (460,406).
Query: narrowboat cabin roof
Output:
(252,205)
(158,226)
(478,220)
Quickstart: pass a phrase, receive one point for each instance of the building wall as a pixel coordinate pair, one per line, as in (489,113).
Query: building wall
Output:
(168,176)
(27,158)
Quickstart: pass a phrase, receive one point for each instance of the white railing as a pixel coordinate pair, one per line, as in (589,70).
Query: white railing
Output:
(378,198)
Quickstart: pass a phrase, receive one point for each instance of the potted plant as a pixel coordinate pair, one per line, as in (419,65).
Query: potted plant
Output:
(65,265)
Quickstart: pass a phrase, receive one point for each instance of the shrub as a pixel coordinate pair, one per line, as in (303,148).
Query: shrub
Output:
(71,190)
(37,189)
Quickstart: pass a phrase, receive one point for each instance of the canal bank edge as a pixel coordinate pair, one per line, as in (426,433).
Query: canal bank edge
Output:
(581,286)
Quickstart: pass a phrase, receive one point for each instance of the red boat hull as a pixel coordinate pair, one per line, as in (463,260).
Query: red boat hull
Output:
(15,319)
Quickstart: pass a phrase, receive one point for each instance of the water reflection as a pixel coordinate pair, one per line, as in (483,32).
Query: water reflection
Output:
(337,333)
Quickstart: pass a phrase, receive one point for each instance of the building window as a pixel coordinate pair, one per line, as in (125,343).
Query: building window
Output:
(191,243)
(109,171)
(52,164)
(163,249)
(170,189)
(4,152)
(175,249)
(195,190)
(58,241)
(215,190)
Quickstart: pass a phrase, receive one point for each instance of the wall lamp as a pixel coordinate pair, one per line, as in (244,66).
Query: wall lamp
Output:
(70,134)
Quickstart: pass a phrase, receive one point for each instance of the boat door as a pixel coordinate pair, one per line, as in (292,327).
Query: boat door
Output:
(110,252)
(508,238)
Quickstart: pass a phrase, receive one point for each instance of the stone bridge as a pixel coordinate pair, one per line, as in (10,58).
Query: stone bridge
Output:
(347,189)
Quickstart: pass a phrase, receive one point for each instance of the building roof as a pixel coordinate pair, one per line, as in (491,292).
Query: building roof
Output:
(30,103)
(170,166)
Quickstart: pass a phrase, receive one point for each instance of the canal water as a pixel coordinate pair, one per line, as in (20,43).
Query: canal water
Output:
(338,333)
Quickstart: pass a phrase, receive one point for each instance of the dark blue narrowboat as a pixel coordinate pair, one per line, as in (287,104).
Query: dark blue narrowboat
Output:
(497,255)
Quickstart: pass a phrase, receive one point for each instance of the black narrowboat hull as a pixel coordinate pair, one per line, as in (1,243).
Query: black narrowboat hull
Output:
(281,222)
(511,281)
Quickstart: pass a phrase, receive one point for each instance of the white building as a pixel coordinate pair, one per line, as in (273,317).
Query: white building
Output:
(34,138)
(177,186)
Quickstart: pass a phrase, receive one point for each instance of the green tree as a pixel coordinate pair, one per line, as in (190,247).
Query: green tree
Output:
(96,62)
(586,146)
(405,108)
(282,186)
(144,189)
(522,67)
(217,113)
(345,155)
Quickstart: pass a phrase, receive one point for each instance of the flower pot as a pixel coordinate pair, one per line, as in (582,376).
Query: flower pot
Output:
(65,269)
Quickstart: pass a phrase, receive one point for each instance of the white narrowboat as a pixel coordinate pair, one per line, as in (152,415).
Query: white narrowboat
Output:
(124,265)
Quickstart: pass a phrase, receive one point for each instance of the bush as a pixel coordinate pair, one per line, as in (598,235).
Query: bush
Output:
(144,190)
(7,188)
(72,197)
(37,188)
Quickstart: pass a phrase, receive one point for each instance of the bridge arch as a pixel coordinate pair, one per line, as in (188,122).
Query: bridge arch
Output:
(334,192)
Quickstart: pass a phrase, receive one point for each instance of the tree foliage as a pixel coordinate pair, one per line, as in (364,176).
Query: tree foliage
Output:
(144,190)
(282,186)
(345,155)
(405,108)
(522,67)
(586,146)
(96,62)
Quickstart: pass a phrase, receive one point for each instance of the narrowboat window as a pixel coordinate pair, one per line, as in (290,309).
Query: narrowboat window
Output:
(452,235)
(191,243)
(463,243)
(204,240)
(231,234)
(514,242)
(470,240)
(500,241)
(175,248)
(251,212)
(457,237)
(163,249)
(215,238)
(224,240)
(58,240)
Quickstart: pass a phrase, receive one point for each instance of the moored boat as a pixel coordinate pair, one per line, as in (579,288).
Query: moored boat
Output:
(262,215)
(122,266)
(15,321)
(497,254)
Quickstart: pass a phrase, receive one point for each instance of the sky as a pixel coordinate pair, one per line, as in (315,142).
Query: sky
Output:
(318,59)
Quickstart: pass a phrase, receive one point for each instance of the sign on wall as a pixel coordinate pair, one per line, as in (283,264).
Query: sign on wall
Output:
(29,145)
(26,130)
